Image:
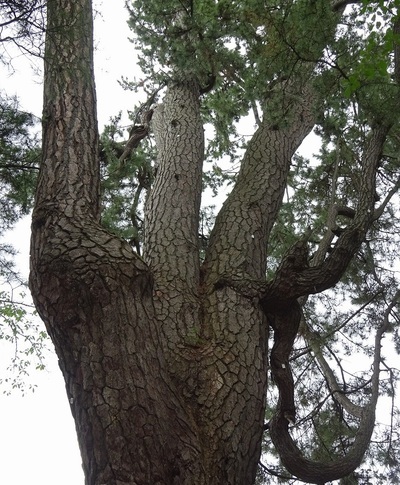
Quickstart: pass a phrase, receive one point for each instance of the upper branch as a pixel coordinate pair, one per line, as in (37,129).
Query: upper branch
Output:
(172,208)
(74,261)
(238,242)
(69,175)
(322,276)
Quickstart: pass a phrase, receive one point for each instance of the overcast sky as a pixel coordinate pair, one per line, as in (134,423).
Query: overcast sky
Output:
(38,444)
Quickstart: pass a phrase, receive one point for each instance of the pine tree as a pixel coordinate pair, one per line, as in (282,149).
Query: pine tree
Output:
(166,353)
(19,165)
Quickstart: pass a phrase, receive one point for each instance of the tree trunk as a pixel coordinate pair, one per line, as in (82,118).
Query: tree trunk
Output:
(157,394)
(165,367)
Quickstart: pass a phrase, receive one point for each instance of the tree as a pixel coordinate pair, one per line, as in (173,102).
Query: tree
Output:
(19,163)
(165,354)
(21,25)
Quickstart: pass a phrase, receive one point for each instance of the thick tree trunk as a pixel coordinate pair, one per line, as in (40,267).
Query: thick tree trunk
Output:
(165,359)
(156,395)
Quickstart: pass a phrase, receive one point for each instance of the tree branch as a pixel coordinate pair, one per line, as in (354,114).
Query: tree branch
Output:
(318,278)
(321,472)
(379,210)
(255,200)
(353,409)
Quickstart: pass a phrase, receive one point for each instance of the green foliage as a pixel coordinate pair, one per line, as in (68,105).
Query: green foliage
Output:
(22,25)
(368,59)
(26,338)
(124,183)
(19,161)
(245,48)
(25,341)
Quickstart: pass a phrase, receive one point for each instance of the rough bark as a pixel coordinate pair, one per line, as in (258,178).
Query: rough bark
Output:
(154,401)
(93,292)
(165,359)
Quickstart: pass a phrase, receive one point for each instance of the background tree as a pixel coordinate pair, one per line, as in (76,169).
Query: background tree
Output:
(21,31)
(165,354)
(19,161)
(19,164)
(21,25)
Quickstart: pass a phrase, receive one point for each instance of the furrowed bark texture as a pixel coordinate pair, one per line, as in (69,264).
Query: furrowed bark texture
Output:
(172,211)
(153,399)
(165,366)
(94,293)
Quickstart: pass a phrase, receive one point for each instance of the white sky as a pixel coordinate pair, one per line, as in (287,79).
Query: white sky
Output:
(38,444)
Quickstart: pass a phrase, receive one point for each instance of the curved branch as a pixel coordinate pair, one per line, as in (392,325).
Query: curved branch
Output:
(292,457)
(320,472)
(137,133)
(315,279)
